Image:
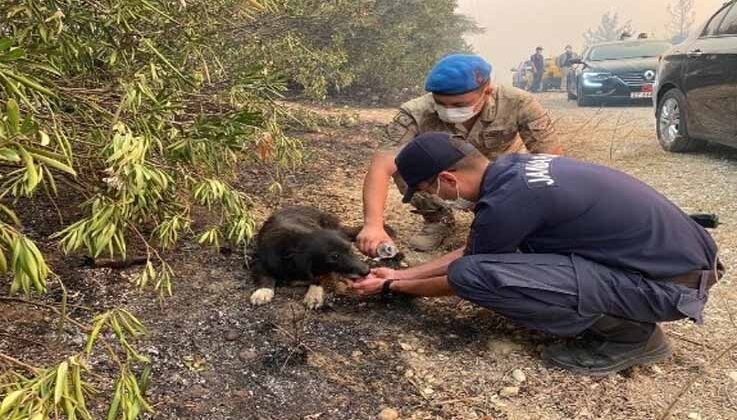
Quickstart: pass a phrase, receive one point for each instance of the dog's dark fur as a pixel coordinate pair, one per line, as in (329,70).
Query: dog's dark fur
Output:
(303,245)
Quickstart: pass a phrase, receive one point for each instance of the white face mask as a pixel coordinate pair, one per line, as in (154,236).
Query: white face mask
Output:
(459,203)
(457,115)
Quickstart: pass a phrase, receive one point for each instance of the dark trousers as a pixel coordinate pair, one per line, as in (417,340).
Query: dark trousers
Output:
(565,295)
(537,82)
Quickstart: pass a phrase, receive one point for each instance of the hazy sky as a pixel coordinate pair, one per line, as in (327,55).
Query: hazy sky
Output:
(515,27)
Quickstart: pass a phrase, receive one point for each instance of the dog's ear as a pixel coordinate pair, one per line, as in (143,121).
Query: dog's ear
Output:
(303,264)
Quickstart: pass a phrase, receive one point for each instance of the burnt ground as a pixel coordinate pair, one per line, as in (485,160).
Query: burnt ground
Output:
(217,357)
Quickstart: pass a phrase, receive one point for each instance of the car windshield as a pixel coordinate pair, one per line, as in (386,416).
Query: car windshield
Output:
(627,50)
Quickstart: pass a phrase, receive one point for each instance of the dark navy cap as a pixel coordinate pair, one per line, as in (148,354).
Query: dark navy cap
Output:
(426,156)
(457,74)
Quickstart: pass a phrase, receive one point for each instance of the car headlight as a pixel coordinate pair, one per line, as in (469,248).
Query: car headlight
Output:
(595,79)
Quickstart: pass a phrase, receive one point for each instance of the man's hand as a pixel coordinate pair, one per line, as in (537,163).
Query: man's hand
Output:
(372,284)
(386,273)
(369,239)
(369,285)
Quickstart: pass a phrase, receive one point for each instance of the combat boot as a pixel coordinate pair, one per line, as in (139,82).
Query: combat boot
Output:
(609,346)
(436,228)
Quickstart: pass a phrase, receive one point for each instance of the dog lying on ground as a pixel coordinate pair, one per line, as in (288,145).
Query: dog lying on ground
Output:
(303,245)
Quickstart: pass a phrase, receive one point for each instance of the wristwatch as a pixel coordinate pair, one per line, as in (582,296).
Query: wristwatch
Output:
(386,291)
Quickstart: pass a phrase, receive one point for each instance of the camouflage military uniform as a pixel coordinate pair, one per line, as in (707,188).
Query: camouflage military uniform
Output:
(512,122)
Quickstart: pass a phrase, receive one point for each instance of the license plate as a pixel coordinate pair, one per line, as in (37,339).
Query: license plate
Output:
(641,95)
(646,92)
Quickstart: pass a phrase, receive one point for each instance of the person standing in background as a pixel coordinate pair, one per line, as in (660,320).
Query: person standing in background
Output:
(538,64)
(564,62)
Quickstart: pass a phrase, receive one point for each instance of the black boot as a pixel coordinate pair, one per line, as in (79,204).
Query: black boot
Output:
(611,345)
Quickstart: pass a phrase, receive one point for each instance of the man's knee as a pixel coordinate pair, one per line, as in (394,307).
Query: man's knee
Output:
(465,276)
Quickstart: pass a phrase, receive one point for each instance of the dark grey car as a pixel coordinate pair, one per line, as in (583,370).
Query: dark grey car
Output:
(620,71)
(696,90)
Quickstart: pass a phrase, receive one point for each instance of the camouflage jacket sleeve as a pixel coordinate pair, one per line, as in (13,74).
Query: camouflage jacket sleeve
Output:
(536,127)
(399,132)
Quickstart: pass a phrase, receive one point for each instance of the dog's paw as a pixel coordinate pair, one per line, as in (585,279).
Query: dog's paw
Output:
(315,297)
(262,296)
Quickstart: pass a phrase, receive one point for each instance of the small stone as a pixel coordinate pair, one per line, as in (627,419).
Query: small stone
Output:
(428,391)
(198,391)
(242,393)
(356,355)
(657,369)
(231,335)
(381,345)
(694,416)
(733,375)
(388,414)
(518,375)
(342,289)
(503,347)
(409,373)
(405,346)
(247,355)
(509,391)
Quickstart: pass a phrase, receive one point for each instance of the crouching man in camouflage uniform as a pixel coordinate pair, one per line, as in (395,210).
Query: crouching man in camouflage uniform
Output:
(462,102)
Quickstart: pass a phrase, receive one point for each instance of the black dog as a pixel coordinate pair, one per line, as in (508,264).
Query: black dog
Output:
(299,245)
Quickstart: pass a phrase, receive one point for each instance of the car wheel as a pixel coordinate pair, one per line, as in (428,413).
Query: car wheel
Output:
(581,99)
(672,124)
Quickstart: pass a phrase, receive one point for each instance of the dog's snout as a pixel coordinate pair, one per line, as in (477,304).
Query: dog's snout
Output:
(357,268)
(365,270)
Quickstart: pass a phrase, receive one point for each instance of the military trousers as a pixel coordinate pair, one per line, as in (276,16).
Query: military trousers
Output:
(564,295)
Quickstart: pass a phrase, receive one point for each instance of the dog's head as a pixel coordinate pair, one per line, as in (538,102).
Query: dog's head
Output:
(328,251)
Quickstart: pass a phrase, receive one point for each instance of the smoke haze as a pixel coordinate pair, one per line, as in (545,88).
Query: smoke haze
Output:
(515,28)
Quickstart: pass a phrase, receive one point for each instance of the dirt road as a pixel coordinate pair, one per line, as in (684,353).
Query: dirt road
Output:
(217,357)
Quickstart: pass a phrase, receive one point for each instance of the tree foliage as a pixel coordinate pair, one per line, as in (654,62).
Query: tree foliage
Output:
(682,18)
(384,45)
(142,111)
(610,29)
(405,39)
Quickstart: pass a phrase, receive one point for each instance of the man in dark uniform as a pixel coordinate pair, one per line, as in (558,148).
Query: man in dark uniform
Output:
(564,62)
(462,101)
(538,69)
(562,246)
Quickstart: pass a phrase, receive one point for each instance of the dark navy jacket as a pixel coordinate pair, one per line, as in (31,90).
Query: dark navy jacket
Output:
(557,205)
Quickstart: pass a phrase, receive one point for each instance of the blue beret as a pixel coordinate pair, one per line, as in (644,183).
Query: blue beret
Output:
(457,74)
